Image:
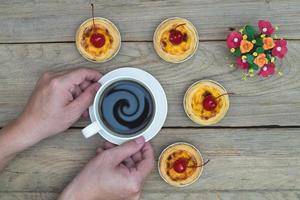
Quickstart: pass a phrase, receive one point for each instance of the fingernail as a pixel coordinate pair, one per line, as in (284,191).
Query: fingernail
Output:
(140,140)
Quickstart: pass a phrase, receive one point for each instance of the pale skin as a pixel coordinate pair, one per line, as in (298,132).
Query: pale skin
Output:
(59,100)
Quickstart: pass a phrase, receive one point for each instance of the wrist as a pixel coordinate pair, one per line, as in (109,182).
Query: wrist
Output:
(30,129)
(71,193)
(17,136)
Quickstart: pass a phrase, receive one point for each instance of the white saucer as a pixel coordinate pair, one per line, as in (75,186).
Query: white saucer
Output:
(159,96)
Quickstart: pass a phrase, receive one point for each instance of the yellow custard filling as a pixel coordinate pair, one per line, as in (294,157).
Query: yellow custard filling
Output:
(89,47)
(191,162)
(197,102)
(184,46)
(175,47)
(105,42)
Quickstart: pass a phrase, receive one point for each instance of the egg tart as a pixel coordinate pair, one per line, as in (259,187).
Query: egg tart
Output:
(206,102)
(98,40)
(176,40)
(180,164)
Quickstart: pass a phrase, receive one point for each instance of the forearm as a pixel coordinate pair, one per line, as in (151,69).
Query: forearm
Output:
(15,138)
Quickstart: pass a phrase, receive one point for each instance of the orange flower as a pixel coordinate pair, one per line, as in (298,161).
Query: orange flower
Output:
(261,60)
(268,43)
(246,46)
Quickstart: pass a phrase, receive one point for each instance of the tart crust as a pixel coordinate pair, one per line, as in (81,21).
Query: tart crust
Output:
(193,102)
(168,158)
(104,27)
(175,53)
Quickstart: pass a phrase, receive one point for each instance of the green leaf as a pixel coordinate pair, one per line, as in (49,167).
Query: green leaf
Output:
(250,58)
(254,66)
(237,52)
(250,32)
(259,41)
(259,50)
(269,57)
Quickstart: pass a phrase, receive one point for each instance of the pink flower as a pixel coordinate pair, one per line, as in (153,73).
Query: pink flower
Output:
(267,70)
(265,27)
(280,48)
(234,40)
(243,64)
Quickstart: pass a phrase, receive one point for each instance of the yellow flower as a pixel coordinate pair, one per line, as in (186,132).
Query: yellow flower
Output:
(272,59)
(268,43)
(246,46)
(261,60)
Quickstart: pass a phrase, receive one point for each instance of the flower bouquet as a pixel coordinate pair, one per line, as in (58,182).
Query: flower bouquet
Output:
(257,51)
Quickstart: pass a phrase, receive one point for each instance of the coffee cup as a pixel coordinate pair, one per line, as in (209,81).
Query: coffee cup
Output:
(130,103)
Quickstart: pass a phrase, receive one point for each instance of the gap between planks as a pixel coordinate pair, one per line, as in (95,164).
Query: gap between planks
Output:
(128,41)
(213,127)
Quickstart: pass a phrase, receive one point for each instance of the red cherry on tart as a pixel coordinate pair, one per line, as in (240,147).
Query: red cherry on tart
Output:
(209,103)
(180,165)
(176,37)
(97,40)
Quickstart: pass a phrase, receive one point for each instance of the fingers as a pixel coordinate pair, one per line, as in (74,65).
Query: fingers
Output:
(85,99)
(85,114)
(145,166)
(108,145)
(100,150)
(80,75)
(76,91)
(128,162)
(137,157)
(126,150)
(85,84)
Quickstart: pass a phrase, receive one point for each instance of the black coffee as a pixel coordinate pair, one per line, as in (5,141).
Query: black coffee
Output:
(126,107)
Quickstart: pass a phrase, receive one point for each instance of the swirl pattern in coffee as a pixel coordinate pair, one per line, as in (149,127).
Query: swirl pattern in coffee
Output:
(126,107)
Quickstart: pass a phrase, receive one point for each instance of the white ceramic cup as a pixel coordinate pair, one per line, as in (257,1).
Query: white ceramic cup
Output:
(159,102)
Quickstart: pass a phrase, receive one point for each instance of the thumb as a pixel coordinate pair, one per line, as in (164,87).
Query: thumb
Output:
(120,153)
(85,99)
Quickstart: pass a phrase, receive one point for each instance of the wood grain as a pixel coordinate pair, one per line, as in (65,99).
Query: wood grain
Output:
(241,159)
(204,195)
(273,101)
(49,21)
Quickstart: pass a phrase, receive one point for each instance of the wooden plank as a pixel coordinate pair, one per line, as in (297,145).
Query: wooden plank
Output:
(241,159)
(41,21)
(28,196)
(213,195)
(273,101)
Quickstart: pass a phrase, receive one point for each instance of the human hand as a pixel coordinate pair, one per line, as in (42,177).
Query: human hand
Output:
(58,100)
(116,173)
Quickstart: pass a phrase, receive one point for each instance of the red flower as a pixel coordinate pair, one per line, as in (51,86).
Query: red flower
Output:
(243,64)
(267,70)
(280,48)
(265,27)
(234,40)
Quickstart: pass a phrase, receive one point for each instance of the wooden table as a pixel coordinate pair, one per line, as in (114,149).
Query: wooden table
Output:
(254,151)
